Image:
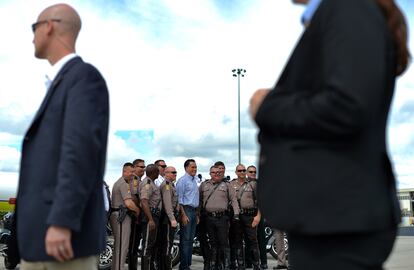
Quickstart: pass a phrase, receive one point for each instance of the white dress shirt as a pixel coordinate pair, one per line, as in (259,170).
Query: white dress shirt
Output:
(54,70)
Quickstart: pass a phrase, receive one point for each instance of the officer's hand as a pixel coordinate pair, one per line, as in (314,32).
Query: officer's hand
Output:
(256,221)
(236,218)
(185,220)
(151,225)
(174,223)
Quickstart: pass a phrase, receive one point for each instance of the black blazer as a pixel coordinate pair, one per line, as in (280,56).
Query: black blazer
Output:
(324,166)
(63,162)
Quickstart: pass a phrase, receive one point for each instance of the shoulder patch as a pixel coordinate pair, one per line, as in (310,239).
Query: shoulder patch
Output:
(147,186)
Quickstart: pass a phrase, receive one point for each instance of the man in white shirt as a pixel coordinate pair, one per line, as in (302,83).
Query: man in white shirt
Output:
(161,167)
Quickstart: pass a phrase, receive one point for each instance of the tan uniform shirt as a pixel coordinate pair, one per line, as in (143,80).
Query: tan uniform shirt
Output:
(245,193)
(220,197)
(120,192)
(134,188)
(148,190)
(169,199)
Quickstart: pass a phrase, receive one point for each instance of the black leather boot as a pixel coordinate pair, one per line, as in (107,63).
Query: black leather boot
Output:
(206,265)
(146,263)
(233,264)
(168,263)
(226,259)
(240,259)
(255,259)
(213,259)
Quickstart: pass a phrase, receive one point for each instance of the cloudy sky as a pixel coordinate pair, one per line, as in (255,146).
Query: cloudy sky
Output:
(168,67)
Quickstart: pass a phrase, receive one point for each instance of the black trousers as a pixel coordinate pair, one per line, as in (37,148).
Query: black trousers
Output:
(363,251)
(261,240)
(149,238)
(218,232)
(243,228)
(134,241)
(165,240)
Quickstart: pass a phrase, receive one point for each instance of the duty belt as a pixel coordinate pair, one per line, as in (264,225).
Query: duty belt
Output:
(216,213)
(248,211)
(155,211)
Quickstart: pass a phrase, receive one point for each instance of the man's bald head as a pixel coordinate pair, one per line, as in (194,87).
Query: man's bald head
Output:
(55,32)
(69,20)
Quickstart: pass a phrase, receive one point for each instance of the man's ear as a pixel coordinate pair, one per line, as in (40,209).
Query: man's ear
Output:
(49,28)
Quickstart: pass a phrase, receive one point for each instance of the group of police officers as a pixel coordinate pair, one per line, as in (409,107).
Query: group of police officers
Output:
(147,207)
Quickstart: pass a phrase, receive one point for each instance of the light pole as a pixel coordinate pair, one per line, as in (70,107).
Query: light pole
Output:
(239,72)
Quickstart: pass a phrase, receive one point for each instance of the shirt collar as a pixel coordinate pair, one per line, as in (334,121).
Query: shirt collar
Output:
(54,70)
(309,11)
(189,176)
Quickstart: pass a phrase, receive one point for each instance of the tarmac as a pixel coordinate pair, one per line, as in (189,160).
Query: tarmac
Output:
(402,256)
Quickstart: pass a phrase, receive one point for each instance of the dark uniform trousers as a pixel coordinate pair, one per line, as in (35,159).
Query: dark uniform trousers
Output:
(134,241)
(261,239)
(218,233)
(165,239)
(149,238)
(201,232)
(241,229)
(232,242)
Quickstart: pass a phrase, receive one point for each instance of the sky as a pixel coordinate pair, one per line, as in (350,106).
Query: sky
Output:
(168,66)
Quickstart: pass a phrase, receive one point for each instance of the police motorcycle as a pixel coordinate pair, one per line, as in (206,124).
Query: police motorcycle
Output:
(105,258)
(10,262)
(270,238)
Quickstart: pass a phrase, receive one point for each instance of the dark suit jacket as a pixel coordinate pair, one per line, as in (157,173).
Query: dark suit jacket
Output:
(324,166)
(63,162)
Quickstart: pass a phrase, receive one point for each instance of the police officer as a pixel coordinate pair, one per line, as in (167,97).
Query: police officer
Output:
(169,216)
(261,234)
(136,230)
(151,206)
(119,219)
(249,217)
(202,227)
(215,197)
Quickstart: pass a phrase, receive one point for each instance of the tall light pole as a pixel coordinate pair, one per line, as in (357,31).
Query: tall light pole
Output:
(238,72)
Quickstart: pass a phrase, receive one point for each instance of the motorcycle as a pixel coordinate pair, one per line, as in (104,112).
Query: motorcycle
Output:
(270,238)
(105,258)
(5,234)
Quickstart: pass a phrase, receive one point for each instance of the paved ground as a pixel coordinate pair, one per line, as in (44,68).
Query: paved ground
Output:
(402,257)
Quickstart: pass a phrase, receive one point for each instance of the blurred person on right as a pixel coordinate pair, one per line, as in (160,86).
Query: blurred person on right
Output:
(322,136)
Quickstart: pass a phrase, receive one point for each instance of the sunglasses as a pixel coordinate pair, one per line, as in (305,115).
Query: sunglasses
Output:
(142,167)
(174,172)
(252,171)
(36,24)
(241,170)
(163,166)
